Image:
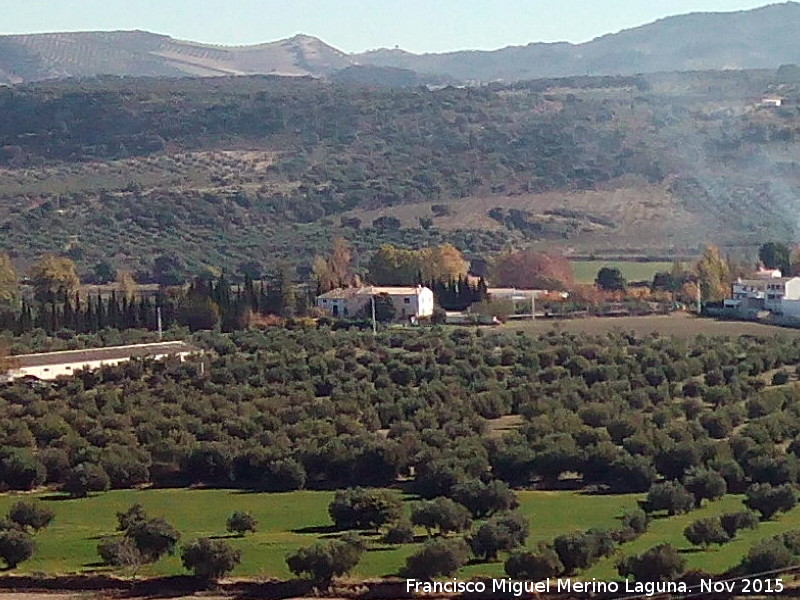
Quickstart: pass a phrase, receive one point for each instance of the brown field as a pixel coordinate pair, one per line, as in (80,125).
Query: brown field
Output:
(682,325)
(646,217)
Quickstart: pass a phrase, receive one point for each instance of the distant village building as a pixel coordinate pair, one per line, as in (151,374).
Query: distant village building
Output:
(408,302)
(50,365)
(779,295)
(772,102)
(514,294)
(518,295)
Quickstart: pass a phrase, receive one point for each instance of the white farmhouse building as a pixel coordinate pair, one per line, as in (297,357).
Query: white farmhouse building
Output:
(49,365)
(780,295)
(347,302)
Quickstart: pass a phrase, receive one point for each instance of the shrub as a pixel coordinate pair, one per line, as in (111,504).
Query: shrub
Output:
(780,378)
(704,484)
(153,538)
(437,558)
(400,533)
(85,478)
(135,514)
(441,513)
(31,514)
(241,522)
(637,520)
(659,563)
(325,560)
(490,539)
(120,552)
(769,500)
(768,555)
(485,499)
(582,550)
(15,547)
(210,559)
(20,469)
(670,496)
(364,509)
(732,523)
(705,532)
(534,565)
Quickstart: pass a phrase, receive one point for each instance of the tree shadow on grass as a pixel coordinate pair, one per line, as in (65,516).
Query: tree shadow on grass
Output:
(318,529)
(480,561)
(382,549)
(227,536)
(57,497)
(690,550)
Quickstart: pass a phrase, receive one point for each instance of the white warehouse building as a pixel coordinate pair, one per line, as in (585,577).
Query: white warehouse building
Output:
(50,365)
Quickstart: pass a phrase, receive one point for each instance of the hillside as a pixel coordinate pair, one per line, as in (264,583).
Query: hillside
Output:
(141,54)
(763,38)
(228,170)
(754,39)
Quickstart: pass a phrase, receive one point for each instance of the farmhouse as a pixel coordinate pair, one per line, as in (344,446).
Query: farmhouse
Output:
(49,365)
(408,302)
(779,295)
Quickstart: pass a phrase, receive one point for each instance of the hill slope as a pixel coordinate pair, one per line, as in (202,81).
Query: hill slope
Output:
(760,38)
(137,53)
(226,170)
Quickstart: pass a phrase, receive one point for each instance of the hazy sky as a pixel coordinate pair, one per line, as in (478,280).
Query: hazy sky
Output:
(357,25)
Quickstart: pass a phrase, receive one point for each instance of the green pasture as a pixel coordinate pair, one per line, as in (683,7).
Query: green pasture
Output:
(586,270)
(291,520)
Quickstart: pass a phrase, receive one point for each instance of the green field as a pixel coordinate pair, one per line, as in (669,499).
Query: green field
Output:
(586,270)
(289,521)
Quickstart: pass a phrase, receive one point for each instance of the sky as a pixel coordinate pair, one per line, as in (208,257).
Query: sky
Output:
(357,25)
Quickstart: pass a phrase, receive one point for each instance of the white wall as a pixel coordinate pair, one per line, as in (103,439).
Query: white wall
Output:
(792,289)
(50,372)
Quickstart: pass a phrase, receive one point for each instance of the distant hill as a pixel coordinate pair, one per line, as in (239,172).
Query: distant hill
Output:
(760,38)
(225,171)
(141,54)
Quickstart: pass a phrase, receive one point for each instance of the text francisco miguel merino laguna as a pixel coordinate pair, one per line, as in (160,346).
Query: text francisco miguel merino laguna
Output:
(646,588)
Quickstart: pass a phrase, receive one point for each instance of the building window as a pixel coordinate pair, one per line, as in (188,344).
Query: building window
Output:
(406,300)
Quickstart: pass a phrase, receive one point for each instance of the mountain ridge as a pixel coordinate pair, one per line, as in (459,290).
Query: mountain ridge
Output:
(693,41)
(758,38)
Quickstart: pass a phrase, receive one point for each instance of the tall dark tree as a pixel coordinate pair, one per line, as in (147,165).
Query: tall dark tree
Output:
(610,279)
(775,255)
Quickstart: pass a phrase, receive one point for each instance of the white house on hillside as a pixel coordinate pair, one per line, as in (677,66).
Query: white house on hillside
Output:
(347,302)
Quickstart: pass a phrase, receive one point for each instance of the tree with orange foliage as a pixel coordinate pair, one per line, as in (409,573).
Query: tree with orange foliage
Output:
(9,286)
(530,269)
(335,271)
(714,274)
(54,277)
(397,266)
(442,263)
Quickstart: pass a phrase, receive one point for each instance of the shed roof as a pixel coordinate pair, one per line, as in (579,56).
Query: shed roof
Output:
(373,290)
(68,357)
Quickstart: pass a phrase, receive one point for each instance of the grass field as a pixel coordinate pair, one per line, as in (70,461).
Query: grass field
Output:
(682,325)
(586,270)
(289,521)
